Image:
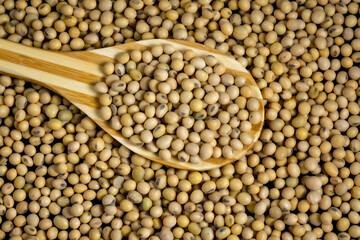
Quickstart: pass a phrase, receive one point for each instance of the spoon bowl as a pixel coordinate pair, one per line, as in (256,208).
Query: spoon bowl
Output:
(73,75)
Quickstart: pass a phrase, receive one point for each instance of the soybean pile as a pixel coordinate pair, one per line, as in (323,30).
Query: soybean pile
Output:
(64,178)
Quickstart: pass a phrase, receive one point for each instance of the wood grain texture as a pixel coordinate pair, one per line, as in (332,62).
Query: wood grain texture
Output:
(73,74)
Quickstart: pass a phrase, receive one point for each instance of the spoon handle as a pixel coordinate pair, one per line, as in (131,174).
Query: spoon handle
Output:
(65,75)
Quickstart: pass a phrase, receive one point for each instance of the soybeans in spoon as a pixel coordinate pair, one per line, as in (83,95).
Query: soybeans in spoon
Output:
(178,104)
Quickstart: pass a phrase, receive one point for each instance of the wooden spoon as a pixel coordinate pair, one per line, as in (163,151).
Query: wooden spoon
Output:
(73,75)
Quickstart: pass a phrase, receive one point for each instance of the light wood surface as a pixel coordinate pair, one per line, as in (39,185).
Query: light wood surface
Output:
(73,75)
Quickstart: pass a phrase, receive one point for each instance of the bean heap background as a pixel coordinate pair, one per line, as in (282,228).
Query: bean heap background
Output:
(60,174)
